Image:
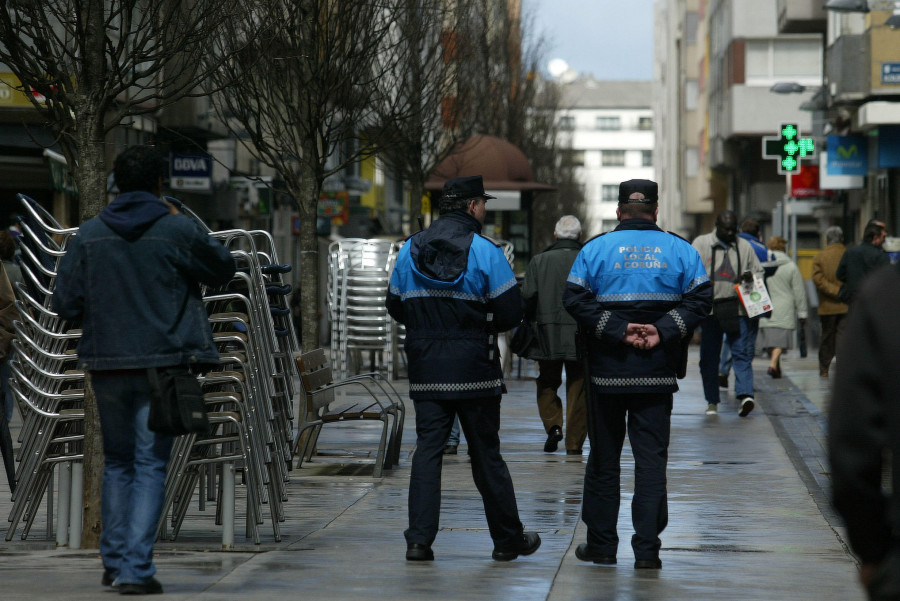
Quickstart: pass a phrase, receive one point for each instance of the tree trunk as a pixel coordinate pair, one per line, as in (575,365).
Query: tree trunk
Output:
(416,190)
(307,197)
(91,178)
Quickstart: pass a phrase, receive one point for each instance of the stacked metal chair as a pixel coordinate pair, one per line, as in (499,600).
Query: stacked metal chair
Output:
(249,397)
(359,275)
(46,385)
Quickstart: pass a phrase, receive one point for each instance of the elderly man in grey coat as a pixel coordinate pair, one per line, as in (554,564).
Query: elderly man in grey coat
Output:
(542,290)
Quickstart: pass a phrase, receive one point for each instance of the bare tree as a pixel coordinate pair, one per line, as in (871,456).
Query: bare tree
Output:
(523,107)
(87,65)
(437,98)
(313,95)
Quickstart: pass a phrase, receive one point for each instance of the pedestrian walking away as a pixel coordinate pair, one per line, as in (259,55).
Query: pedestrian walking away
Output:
(454,291)
(728,259)
(638,293)
(859,260)
(542,288)
(789,307)
(864,433)
(750,231)
(132,275)
(14,273)
(832,310)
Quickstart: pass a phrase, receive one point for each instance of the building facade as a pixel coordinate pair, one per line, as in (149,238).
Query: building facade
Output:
(607,126)
(729,73)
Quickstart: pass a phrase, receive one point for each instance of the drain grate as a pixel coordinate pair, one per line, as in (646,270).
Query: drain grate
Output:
(716,549)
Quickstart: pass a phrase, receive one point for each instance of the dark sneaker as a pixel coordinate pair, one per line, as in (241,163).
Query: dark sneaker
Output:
(584,553)
(527,545)
(151,587)
(553,438)
(723,380)
(747,405)
(450,449)
(108,579)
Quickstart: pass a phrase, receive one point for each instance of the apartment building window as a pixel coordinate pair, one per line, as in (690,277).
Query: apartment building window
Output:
(573,158)
(609,193)
(779,59)
(608,225)
(567,123)
(645,123)
(691,162)
(691,94)
(691,21)
(612,158)
(646,158)
(609,123)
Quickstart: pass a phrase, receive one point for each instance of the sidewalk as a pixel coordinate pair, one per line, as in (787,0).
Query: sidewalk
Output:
(748,519)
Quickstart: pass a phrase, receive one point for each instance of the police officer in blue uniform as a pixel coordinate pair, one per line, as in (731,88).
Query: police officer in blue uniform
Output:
(454,291)
(637,294)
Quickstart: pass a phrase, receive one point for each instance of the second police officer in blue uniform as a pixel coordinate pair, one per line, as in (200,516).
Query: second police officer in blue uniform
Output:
(637,294)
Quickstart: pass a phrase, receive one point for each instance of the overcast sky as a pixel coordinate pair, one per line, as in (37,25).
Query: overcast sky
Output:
(612,39)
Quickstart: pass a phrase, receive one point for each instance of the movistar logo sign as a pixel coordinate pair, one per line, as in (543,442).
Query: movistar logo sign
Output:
(847,155)
(848,152)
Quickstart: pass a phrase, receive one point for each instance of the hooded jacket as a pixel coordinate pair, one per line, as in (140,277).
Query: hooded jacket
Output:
(454,291)
(133,275)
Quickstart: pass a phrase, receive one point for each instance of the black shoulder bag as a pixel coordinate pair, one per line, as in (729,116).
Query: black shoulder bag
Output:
(727,311)
(523,339)
(176,406)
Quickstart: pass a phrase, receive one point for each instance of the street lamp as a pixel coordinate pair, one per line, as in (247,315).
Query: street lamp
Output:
(787,87)
(894,20)
(848,6)
(862,6)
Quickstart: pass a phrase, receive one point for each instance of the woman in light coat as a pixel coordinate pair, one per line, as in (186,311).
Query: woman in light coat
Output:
(776,332)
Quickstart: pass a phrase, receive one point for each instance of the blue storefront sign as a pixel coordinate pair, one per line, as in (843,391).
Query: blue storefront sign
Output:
(888,146)
(847,155)
(190,171)
(890,73)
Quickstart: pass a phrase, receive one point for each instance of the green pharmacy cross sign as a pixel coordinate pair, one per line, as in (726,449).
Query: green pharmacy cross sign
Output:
(788,147)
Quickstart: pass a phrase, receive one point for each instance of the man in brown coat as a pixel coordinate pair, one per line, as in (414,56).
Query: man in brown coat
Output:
(831,310)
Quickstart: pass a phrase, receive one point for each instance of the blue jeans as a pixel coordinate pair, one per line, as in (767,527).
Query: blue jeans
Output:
(725,361)
(5,392)
(134,475)
(453,439)
(742,349)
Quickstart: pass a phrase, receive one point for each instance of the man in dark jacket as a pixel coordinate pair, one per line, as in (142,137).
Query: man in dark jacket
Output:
(864,433)
(133,275)
(861,259)
(542,289)
(639,292)
(454,291)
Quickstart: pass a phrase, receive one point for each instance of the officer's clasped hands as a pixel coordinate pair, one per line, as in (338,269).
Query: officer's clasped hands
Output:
(641,335)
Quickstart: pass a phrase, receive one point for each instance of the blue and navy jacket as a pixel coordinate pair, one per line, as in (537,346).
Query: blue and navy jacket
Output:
(637,274)
(766,257)
(133,275)
(454,291)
